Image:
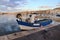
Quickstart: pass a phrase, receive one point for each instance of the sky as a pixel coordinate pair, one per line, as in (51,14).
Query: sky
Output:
(23,5)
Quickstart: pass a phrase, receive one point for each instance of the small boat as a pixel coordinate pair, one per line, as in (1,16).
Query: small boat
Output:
(58,15)
(28,26)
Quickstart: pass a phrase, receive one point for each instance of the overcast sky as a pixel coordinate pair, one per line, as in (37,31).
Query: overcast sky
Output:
(21,5)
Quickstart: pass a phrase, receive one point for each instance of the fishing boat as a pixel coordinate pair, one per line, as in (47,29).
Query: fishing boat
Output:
(28,26)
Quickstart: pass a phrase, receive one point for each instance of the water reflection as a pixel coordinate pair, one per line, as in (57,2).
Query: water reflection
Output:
(8,24)
(5,18)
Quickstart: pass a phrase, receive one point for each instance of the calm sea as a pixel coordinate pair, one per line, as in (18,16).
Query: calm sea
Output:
(8,24)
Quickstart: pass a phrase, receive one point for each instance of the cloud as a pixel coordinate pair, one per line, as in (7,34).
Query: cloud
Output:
(45,7)
(7,5)
(2,6)
(6,0)
(17,2)
(58,4)
(9,8)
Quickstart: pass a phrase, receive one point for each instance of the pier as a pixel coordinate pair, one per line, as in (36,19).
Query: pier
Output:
(50,32)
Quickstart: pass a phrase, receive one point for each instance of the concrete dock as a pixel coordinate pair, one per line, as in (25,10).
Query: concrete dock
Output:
(50,32)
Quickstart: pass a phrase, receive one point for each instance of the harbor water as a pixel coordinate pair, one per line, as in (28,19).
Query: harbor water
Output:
(8,24)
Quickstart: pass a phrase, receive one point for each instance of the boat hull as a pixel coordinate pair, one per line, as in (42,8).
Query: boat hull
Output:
(22,27)
(38,24)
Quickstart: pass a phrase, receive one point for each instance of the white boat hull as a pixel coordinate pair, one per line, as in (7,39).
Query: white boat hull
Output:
(27,27)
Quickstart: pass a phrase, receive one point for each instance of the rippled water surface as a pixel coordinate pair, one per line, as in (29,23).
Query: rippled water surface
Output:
(8,24)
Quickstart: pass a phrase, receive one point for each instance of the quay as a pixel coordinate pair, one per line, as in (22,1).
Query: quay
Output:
(50,32)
